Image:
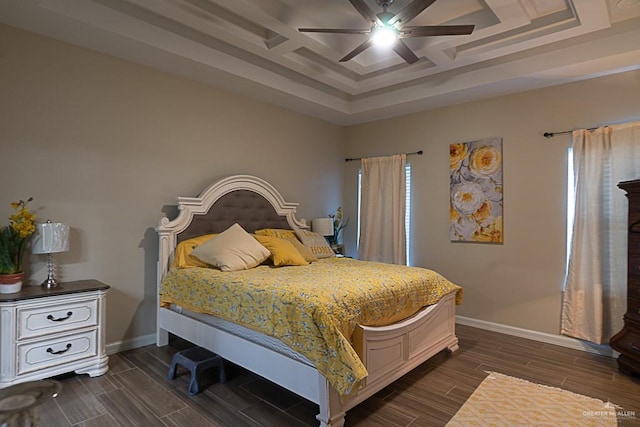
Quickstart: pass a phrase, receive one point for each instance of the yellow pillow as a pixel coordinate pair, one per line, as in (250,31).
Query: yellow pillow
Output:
(276,232)
(182,257)
(304,251)
(282,251)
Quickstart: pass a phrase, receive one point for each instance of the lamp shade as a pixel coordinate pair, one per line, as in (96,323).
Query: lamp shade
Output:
(322,226)
(50,238)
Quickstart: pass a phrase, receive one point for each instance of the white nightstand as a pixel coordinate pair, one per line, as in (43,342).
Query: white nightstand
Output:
(47,332)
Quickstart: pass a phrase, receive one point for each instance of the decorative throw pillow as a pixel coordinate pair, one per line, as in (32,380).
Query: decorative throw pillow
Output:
(316,243)
(282,251)
(232,250)
(304,251)
(182,257)
(276,232)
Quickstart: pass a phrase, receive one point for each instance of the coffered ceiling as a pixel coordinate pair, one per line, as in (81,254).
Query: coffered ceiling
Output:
(253,47)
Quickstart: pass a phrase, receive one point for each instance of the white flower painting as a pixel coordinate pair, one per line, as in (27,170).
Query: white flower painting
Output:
(475,170)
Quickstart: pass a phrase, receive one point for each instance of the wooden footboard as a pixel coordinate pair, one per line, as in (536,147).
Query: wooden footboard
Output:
(388,352)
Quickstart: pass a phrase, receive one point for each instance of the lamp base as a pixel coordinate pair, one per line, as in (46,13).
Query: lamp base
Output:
(50,283)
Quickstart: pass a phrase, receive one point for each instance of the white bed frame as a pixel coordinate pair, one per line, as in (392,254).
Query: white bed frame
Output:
(388,352)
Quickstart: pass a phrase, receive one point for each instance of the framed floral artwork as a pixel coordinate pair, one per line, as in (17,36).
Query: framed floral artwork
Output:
(475,211)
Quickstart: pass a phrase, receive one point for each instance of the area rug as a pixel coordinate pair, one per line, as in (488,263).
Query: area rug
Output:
(501,400)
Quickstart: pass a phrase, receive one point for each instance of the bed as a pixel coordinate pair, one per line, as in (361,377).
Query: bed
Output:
(386,352)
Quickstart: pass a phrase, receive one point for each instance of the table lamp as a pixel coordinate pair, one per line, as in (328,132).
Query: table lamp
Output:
(323,226)
(50,238)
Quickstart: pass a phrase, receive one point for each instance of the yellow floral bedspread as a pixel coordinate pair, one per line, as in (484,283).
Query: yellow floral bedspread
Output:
(314,309)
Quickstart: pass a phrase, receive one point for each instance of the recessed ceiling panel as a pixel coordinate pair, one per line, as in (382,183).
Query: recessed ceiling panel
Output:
(257,42)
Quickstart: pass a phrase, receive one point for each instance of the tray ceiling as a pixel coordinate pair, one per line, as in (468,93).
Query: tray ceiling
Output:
(253,47)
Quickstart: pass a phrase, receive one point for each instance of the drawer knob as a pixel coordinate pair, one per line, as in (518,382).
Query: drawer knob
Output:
(60,319)
(50,350)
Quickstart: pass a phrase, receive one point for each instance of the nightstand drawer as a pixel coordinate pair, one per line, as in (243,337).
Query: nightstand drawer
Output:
(46,319)
(53,352)
(48,332)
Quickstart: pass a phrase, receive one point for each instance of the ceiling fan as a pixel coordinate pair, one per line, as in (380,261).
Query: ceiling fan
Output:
(389,28)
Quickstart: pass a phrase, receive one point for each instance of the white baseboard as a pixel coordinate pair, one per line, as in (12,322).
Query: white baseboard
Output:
(129,344)
(560,340)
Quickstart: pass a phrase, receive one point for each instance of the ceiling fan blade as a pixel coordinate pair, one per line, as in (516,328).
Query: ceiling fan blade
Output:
(436,30)
(411,11)
(403,50)
(366,11)
(357,51)
(333,30)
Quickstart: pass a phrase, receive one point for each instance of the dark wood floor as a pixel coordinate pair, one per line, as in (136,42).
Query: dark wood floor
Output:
(135,391)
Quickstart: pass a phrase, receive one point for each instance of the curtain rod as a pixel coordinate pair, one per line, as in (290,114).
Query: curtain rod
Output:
(360,158)
(552,134)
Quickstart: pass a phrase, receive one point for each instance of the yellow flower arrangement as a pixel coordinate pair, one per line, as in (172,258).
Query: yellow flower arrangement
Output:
(14,237)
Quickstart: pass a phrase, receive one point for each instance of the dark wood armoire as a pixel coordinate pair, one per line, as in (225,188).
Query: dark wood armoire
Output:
(627,341)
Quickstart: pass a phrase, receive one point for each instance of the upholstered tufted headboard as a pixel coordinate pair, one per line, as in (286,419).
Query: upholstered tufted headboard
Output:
(247,208)
(250,201)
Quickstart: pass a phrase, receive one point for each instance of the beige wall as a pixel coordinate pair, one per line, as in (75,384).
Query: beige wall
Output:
(105,145)
(518,283)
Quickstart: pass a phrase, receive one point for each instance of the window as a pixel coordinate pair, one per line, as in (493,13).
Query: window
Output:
(597,273)
(571,200)
(407,218)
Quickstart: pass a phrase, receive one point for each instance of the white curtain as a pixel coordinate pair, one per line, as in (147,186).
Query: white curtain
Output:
(382,211)
(594,299)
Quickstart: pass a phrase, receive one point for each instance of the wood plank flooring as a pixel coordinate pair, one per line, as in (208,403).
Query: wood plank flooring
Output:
(135,391)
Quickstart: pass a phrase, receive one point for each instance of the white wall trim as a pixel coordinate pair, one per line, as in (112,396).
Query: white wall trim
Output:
(561,340)
(129,344)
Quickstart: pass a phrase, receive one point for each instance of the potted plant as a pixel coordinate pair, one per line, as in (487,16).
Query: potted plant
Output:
(13,239)
(338,225)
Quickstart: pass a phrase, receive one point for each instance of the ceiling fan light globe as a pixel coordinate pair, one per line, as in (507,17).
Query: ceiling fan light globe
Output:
(383,36)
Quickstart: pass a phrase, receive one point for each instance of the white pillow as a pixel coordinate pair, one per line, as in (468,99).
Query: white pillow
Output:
(316,243)
(232,250)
